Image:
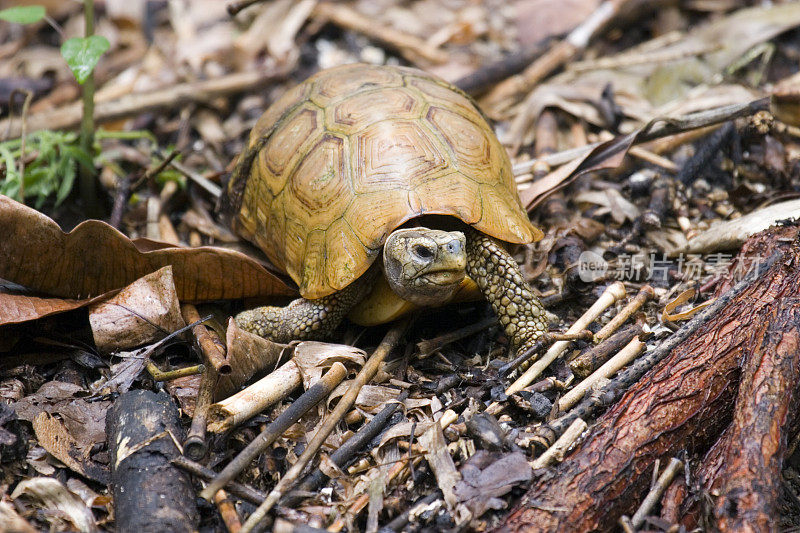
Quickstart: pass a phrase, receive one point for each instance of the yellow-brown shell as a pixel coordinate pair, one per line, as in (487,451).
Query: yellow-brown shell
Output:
(343,159)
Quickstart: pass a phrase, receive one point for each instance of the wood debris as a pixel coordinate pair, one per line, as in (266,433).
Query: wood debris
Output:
(657,146)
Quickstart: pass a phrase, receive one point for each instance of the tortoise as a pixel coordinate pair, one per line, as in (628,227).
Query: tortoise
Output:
(362,162)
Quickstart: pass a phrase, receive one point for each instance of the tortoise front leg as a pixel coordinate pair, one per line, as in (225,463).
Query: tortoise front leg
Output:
(499,278)
(306,319)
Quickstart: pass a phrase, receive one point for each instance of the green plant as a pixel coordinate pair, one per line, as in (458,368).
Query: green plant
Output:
(81,55)
(52,158)
(52,170)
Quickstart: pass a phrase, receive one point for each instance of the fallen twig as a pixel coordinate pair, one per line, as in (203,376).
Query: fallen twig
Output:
(508,91)
(427,347)
(410,46)
(611,392)
(594,357)
(209,343)
(345,403)
(245,492)
(69,116)
(644,294)
(680,404)
(609,368)
(613,292)
(347,450)
(559,448)
(195,445)
(673,468)
(315,394)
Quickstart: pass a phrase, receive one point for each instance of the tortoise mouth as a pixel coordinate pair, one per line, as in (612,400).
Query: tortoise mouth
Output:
(447,276)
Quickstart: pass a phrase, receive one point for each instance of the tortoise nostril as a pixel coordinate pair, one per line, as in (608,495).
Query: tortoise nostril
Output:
(454,246)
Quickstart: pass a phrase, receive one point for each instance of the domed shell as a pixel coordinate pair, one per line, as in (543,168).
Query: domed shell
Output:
(343,159)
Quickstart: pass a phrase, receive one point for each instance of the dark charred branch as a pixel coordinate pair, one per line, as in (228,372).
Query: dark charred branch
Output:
(150,493)
(486,76)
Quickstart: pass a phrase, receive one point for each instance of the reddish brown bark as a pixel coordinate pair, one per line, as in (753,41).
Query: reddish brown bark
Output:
(671,502)
(748,499)
(740,475)
(690,506)
(683,403)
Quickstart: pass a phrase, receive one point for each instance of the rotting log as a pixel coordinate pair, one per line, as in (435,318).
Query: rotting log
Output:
(682,403)
(150,493)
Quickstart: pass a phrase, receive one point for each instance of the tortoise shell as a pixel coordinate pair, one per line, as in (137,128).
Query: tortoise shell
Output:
(346,157)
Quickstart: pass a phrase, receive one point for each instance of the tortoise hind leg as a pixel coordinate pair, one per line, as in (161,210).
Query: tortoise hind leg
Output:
(499,278)
(305,319)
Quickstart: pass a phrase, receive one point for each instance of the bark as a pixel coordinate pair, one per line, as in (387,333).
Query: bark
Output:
(738,482)
(748,500)
(150,494)
(682,403)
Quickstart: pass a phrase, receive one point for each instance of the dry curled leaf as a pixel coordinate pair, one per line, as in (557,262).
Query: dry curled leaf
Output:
(610,202)
(483,483)
(440,461)
(185,390)
(95,258)
(248,354)
(51,494)
(54,437)
(609,154)
(123,373)
(11,521)
(145,311)
(371,398)
(403,430)
(669,315)
(17,307)
(313,358)
(85,420)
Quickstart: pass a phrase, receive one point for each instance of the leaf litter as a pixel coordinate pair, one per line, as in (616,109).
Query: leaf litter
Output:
(681,62)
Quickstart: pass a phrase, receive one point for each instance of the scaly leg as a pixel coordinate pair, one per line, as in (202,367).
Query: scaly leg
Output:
(306,319)
(499,278)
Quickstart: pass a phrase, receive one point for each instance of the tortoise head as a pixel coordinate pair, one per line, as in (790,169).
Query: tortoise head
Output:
(425,266)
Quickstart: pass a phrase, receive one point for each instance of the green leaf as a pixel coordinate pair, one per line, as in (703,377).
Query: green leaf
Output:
(23,14)
(83,53)
(78,155)
(67,180)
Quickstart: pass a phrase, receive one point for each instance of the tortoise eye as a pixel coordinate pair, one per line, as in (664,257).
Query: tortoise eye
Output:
(422,252)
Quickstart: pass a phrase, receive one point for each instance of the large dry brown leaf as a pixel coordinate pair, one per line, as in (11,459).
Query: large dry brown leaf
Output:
(17,307)
(95,258)
(145,311)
